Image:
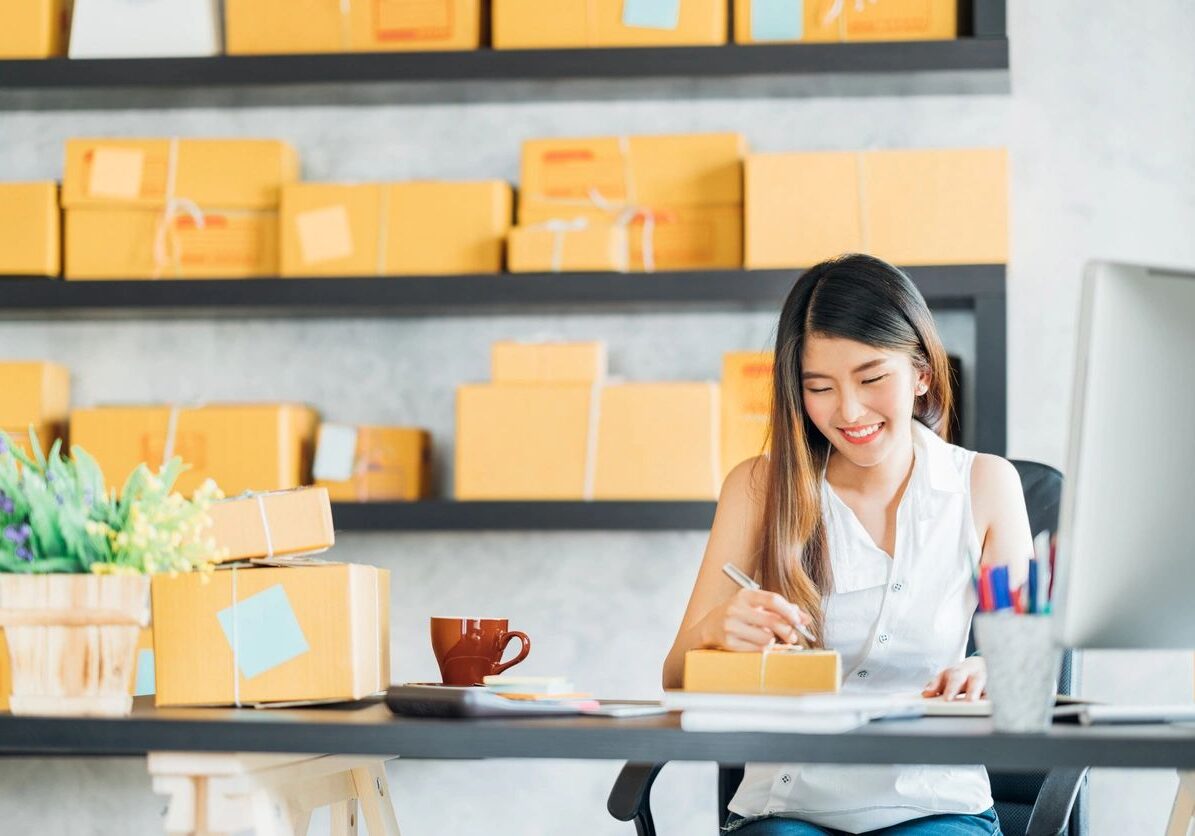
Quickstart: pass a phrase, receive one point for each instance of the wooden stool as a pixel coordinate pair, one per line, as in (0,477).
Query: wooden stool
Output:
(273,795)
(1184,806)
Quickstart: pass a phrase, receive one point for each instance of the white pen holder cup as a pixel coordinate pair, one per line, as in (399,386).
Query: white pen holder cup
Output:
(1023,663)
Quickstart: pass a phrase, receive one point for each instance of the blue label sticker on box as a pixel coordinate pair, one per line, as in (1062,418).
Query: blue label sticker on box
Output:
(651,14)
(144,686)
(777,20)
(335,453)
(267,631)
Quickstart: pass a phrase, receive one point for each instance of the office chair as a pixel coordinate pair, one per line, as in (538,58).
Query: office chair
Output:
(1028,803)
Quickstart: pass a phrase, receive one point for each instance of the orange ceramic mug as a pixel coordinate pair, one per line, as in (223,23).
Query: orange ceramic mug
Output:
(468,649)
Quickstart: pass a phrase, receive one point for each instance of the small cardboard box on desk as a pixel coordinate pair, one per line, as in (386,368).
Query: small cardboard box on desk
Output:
(174,208)
(779,670)
(273,625)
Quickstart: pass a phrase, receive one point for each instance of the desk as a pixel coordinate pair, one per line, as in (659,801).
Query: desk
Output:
(370,729)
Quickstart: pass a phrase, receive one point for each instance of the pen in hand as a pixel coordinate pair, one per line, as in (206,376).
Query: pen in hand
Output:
(733,572)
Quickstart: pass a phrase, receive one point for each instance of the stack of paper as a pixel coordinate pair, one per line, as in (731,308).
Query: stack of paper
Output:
(815,714)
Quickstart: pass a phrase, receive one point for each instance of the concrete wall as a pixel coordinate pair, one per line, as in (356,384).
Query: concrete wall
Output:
(1101,128)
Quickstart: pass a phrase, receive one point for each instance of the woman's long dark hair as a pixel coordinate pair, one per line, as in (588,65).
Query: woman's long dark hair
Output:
(854,297)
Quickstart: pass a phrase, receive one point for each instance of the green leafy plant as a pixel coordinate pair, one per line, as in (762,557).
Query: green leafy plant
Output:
(56,515)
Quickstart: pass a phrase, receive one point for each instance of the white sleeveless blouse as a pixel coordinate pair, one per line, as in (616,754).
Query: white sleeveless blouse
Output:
(896,621)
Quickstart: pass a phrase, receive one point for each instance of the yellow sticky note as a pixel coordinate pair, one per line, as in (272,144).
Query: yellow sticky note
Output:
(325,234)
(116,173)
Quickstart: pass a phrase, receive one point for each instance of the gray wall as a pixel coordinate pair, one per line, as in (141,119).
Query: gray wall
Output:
(1101,127)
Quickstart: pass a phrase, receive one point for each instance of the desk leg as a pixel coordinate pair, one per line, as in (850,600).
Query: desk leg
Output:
(1184,806)
(373,792)
(344,818)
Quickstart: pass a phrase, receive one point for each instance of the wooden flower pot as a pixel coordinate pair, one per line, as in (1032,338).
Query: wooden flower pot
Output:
(72,641)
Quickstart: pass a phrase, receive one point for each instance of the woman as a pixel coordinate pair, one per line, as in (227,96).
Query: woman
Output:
(864,526)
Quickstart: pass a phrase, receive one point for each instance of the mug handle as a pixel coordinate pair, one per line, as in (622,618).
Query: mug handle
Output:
(505,640)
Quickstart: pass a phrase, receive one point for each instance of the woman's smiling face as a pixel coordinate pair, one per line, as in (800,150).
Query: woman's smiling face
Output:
(858,396)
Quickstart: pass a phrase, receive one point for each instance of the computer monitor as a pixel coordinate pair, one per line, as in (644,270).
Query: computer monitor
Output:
(1126,544)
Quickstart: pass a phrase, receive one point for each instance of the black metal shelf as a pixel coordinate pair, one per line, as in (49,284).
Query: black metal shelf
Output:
(447,515)
(963,54)
(953,286)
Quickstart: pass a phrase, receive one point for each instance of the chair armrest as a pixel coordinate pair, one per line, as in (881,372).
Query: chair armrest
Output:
(1052,810)
(630,798)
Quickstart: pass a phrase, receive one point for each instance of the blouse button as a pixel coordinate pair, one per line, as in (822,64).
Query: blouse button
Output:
(784,779)
(896,587)
(883,638)
(862,674)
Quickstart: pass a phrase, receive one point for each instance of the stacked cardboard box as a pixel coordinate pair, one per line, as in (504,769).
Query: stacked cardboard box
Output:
(822,21)
(746,405)
(550,427)
(416,228)
(539,24)
(271,624)
(269,26)
(34,28)
(373,464)
(908,207)
(638,203)
(30,229)
(174,208)
(34,394)
(243,447)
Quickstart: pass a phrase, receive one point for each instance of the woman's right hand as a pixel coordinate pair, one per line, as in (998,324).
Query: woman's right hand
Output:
(753,620)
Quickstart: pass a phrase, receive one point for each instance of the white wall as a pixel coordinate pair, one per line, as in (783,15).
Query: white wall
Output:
(1101,127)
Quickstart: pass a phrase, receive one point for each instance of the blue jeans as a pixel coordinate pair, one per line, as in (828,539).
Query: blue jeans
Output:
(981,824)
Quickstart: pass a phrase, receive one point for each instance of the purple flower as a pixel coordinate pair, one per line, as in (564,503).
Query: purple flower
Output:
(6,503)
(3,446)
(24,553)
(17,534)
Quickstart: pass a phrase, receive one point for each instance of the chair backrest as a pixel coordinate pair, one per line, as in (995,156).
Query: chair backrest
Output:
(1013,792)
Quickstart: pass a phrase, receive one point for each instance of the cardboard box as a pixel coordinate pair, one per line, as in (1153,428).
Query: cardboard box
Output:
(909,207)
(47,434)
(548,362)
(262,635)
(938,207)
(658,441)
(275,524)
(821,21)
(579,245)
(113,243)
(677,238)
(213,174)
(255,27)
(746,406)
(775,672)
(243,447)
(596,177)
(33,392)
(34,28)
(30,229)
(141,683)
(537,24)
(525,441)
(414,228)
(145,28)
(373,464)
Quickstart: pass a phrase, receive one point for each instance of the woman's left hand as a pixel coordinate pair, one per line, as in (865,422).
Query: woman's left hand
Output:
(967,679)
